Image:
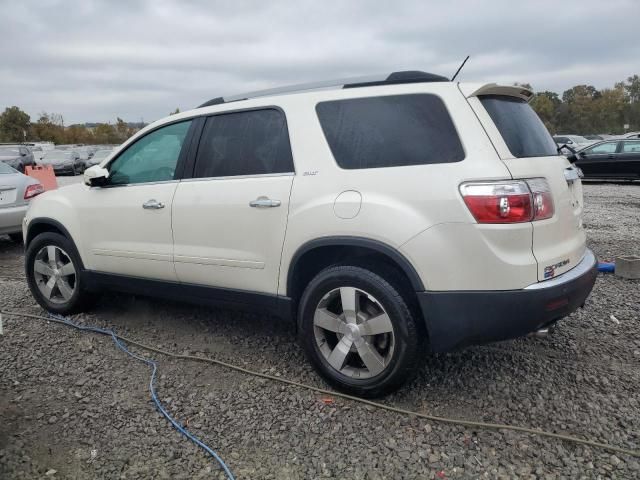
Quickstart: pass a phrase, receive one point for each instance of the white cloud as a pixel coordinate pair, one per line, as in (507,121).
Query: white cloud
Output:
(93,60)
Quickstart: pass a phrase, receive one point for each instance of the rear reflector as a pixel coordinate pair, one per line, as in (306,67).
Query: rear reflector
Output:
(508,201)
(33,190)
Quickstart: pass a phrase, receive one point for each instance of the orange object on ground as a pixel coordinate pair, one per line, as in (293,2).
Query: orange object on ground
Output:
(44,174)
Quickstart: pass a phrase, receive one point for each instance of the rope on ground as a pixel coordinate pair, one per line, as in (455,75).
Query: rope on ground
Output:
(381,406)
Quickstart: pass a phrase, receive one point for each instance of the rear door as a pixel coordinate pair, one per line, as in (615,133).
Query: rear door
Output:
(528,150)
(229,220)
(628,159)
(598,161)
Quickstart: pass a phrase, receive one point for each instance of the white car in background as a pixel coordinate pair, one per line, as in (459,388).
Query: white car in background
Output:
(576,142)
(16,192)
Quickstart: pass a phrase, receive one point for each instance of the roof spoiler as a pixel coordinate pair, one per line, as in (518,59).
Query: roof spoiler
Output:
(495,89)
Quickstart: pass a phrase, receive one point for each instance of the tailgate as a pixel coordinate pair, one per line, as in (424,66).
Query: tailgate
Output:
(528,150)
(559,242)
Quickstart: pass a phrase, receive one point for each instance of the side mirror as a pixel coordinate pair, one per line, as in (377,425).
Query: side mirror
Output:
(96,176)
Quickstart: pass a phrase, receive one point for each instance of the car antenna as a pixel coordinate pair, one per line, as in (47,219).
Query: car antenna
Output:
(459,68)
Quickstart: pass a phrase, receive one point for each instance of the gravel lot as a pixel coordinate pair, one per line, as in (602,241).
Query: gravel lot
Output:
(73,406)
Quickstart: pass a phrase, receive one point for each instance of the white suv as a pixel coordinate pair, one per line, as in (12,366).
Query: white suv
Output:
(388,216)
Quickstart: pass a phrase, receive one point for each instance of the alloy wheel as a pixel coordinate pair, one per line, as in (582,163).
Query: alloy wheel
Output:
(354,333)
(55,274)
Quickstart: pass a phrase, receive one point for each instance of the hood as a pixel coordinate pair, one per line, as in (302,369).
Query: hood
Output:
(9,157)
(55,161)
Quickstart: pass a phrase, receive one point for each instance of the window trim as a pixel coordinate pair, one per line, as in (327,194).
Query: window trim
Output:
(182,157)
(335,161)
(190,170)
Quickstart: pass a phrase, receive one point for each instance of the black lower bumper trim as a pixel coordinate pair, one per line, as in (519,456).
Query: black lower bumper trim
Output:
(460,318)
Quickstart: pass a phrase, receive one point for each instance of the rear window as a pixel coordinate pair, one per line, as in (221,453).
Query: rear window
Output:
(520,127)
(389,131)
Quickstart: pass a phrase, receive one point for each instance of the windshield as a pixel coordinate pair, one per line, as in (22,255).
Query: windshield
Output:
(520,127)
(9,152)
(100,154)
(6,169)
(57,155)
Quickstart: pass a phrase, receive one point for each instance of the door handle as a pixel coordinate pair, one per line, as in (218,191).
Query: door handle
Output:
(152,204)
(264,202)
(610,156)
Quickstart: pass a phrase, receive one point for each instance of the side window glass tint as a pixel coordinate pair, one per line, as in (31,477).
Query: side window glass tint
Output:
(631,147)
(603,148)
(390,131)
(153,158)
(254,142)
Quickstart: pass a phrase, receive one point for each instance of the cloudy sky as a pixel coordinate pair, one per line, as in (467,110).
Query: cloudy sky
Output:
(93,61)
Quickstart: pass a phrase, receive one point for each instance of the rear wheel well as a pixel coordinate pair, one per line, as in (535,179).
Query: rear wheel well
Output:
(310,263)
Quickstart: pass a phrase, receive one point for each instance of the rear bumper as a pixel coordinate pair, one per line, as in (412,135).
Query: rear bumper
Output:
(461,318)
(11,219)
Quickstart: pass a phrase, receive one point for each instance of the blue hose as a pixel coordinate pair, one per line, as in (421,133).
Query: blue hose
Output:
(606,267)
(152,389)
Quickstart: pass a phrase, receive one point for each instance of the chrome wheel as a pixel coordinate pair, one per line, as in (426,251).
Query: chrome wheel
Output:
(354,333)
(54,274)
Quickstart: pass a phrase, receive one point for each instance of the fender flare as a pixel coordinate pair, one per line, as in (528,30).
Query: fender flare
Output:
(349,241)
(58,226)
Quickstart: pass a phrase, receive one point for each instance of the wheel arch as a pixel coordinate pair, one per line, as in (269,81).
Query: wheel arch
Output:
(43,225)
(320,253)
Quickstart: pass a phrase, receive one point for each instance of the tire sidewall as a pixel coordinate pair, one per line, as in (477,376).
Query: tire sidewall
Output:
(405,331)
(40,241)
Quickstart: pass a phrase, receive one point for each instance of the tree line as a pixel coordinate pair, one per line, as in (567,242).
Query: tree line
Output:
(16,126)
(582,109)
(585,110)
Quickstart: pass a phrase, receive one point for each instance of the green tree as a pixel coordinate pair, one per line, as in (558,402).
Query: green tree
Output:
(14,125)
(177,110)
(48,128)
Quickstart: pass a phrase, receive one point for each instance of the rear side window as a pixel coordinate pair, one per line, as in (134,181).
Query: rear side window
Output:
(244,143)
(520,127)
(390,131)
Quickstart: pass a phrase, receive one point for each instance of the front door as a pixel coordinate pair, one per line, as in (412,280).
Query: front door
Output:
(595,161)
(128,221)
(229,220)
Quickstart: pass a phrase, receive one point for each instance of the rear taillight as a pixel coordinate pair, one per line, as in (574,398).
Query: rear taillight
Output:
(508,201)
(542,200)
(33,190)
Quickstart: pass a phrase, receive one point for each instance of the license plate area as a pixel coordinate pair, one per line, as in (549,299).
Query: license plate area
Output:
(7,196)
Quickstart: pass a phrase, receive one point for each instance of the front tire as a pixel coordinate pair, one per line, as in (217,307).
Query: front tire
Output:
(53,270)
(358,331)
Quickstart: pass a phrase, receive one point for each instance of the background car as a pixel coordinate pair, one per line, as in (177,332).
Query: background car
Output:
(99,156)
(574,141)
(63,161)
(631,135)
(16,191)
(616,159)
(16,156)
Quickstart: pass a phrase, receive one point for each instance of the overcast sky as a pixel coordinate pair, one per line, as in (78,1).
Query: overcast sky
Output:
(93,61)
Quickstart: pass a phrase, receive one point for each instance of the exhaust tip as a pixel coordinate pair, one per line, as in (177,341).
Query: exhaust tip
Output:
(542,333)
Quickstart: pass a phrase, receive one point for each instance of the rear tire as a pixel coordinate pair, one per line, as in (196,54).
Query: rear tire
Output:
(53,270)
(359,332)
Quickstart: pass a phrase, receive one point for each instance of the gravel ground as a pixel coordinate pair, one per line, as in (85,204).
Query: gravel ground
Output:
(73,406)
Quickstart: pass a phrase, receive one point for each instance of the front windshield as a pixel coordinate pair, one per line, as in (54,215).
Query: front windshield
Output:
(6,169)
(57,155)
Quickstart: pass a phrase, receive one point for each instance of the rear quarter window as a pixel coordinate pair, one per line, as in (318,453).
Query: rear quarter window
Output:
(520,127)
(390,131)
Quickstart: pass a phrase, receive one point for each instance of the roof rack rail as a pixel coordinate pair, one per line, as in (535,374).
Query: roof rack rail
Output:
(395,78)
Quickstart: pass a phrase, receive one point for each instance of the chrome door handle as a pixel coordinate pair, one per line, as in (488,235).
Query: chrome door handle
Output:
(264,202)
(153,204)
